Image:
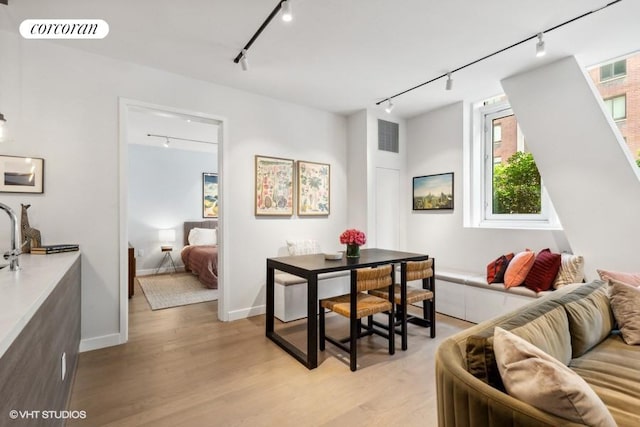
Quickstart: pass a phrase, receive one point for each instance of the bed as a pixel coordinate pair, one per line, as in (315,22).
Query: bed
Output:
(201,257)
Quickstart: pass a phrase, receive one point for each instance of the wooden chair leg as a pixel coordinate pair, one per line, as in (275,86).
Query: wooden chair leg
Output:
(321,327)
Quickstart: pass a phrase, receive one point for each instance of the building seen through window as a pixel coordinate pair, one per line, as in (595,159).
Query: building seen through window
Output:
(618,82)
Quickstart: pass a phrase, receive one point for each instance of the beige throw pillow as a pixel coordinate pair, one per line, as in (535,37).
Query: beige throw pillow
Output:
(625,303)
(571,270)
(531,375)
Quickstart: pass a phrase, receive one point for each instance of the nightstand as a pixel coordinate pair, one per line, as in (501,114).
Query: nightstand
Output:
(167,256)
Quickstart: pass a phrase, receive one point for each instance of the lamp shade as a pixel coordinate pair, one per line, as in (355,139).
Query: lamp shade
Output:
(167,236)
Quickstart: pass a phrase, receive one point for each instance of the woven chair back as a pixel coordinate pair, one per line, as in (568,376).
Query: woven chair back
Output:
(417,270)
(373,278)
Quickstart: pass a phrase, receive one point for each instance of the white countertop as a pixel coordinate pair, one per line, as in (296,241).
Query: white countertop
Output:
(22,292)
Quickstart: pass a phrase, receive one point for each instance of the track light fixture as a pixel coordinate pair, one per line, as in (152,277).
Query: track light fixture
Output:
(389,107)
(244,62)
(540,50)
(287,15)
(166,142)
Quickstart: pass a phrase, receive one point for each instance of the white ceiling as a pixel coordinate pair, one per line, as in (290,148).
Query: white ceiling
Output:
(344,55)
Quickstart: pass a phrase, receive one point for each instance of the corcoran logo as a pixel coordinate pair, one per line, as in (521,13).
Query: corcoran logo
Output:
(64,29)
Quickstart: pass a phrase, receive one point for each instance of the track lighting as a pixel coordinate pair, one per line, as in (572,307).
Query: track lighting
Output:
(244,62)
(540,50)
(287,15)
(166,143)
(389,107)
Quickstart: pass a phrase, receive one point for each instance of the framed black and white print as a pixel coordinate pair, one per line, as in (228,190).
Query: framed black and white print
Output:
(21,175)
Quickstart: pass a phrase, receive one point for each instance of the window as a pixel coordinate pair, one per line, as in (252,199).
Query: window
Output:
(617,107)
(505,187)
(613,70)
(497,132)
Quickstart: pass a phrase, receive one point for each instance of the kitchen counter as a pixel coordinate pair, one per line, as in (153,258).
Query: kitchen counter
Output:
(22,292)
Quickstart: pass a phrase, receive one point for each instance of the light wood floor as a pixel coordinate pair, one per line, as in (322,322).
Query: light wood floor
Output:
(182,367)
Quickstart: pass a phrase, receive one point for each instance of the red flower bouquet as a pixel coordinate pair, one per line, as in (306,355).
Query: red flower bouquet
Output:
(353,239)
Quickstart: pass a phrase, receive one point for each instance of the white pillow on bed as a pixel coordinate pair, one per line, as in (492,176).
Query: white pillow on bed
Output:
(203,236)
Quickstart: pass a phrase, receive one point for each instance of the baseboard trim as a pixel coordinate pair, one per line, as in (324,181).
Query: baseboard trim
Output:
(247,312)
(96,343)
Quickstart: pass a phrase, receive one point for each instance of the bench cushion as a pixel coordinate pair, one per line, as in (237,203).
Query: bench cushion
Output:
(287,279)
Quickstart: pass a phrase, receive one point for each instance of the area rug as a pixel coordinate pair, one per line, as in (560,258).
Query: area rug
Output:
(172,290)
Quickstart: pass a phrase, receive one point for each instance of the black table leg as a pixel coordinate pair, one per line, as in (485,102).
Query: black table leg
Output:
(270,300)
(403,304)
(312,321)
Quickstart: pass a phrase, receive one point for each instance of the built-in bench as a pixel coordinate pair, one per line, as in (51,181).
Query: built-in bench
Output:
(291,292)
(468,296)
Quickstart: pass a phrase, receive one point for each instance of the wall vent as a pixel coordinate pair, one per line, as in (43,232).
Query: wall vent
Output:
(387,136)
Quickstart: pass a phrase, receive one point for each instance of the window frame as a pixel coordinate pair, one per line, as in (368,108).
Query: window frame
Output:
(613,76)
(611,111)
(480,180)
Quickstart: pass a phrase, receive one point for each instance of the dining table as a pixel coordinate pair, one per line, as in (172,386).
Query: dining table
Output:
(310,267)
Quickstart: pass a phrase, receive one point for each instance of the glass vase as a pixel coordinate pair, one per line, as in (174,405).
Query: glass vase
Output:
(353,251)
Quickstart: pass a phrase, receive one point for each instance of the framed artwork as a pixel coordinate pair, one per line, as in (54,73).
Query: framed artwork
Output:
(209,195)
(433,192)
(314,191)
(274,186)
(21,175)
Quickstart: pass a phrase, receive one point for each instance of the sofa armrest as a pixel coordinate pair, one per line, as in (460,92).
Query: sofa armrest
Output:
(466,401)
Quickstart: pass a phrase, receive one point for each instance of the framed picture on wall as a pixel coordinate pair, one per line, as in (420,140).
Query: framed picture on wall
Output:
(433,192)
(209,195)
(314,190)
(21,175)
(274,186)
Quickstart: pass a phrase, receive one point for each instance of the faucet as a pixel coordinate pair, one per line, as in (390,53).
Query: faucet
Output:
(13,254)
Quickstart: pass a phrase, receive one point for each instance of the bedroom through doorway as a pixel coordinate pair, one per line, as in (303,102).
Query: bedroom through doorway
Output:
(173,198)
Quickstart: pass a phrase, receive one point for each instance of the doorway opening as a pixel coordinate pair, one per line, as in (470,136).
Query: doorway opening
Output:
(170,184)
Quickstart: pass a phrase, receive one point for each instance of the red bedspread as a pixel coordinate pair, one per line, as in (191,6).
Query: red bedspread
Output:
(202,261)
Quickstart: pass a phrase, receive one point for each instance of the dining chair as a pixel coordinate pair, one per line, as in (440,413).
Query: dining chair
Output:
(359,304)
(414,270)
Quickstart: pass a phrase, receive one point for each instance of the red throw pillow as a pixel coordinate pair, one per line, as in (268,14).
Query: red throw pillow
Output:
(518,269)
(544,271)
(497,267)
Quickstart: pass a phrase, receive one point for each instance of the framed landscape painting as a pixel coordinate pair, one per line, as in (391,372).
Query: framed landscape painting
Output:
(433,192)
(21,175)
(209,195)
(314,191)
(274,186)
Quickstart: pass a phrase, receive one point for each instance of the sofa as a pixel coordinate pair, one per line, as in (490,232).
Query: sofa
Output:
(576,326)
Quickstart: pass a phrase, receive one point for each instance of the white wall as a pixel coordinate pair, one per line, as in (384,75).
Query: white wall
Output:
(435,142)
(586,167)
(65,103)
(165,190)
(364,161)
